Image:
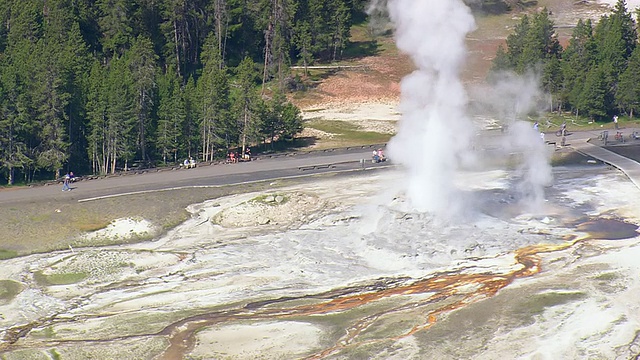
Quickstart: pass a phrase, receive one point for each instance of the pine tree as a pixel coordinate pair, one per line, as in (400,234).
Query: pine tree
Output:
(624,20)
(5,16)
(171,117)
(116,25)
(302,41)
(97,108)
(628,91)
(244,32)
(142,65)
(278,34)
(121,118)
(213,86)
(13,150)
(578,58)
(592,98)
(516,42)
(193,112)
(51,101)
(246,101)
(539,43)
(280,120)
(65,45)
(184,28)
(341,27)
(221,21)
(501,62)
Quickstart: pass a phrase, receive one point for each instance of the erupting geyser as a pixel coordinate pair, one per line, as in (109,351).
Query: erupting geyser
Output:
(435,132)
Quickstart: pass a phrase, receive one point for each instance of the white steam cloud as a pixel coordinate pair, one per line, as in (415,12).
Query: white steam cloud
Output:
(435,134)
(512,98)
(378,16)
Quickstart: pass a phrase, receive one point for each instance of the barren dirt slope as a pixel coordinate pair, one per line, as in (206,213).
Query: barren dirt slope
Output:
(369,95)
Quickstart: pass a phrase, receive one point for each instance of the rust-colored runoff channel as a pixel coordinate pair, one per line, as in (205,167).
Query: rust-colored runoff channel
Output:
(444,292)
(440,286)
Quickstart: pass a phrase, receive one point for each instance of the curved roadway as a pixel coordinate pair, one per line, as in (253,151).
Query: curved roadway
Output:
(281,166)
(263,168)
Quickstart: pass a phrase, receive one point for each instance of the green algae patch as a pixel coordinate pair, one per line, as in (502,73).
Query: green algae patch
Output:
(125,349)
(538,303)
(28,354)
(54,354)
(610,276)
(271,199)
(45,333)
(126,325)
(7,254)
(9,289)
(59,279)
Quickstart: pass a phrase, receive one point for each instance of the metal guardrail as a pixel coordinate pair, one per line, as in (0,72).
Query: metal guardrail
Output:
(316,167)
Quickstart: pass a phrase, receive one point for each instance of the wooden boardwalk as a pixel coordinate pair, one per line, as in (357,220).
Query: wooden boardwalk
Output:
(629,167)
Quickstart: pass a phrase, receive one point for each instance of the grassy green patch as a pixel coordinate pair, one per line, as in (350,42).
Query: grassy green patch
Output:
(58,279)
(348,133)
(90,225)
(552,122)
(177,219)
(9,289)
(7,254)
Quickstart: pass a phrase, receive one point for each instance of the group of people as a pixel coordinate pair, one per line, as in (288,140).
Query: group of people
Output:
(234,157)
(536,127)
(378,156)
(189,163)
(562,132)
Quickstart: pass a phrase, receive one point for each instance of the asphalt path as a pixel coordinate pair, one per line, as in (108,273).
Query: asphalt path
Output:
(261,169)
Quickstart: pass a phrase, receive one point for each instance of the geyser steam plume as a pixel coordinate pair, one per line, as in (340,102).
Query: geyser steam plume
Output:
(435,132)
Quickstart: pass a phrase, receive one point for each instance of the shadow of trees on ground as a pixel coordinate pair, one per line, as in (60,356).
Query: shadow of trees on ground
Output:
(359,49)
(497,7)
(285,146)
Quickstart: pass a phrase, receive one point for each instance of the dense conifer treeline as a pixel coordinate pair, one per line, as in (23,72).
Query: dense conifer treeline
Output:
(597,75)
(99,84)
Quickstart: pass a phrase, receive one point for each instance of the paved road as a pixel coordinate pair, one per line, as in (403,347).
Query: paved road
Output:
(266,168)
(263,168)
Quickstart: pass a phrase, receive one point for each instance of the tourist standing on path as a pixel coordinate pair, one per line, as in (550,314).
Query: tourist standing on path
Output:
(615,121)
(65,182)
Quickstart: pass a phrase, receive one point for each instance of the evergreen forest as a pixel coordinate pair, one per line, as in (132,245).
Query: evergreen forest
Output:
(94,86)
(596,75)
